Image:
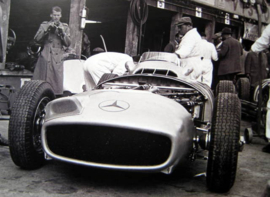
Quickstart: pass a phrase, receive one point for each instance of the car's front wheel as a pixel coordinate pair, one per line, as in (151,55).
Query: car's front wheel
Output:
(224,143)
(25,124)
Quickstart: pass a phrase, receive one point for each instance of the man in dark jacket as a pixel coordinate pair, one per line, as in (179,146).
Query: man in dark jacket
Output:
(172,46)
(229,56)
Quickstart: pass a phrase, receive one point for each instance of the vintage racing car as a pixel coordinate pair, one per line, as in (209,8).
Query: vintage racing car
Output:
(148,120)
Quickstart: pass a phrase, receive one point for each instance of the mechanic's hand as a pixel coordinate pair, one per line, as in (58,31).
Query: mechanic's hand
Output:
(188,72)
(60,31)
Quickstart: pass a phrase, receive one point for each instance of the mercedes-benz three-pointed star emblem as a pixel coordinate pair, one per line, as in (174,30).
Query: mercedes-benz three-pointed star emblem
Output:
(114,106)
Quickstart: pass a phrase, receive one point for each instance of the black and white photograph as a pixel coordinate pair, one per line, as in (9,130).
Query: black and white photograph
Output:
(134,98)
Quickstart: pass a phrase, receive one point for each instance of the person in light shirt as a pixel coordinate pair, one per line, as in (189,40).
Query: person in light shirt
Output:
(263,41)
(259,45)
(189,50)
(209,54)
(104,62)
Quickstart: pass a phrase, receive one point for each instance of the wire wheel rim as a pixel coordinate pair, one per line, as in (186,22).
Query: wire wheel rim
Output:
(37,123)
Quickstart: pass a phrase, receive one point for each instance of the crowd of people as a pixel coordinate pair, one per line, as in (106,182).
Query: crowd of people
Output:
(202,60)
(223,59)
(210,64)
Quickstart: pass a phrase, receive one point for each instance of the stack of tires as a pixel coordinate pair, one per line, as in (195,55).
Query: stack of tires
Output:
(243,88)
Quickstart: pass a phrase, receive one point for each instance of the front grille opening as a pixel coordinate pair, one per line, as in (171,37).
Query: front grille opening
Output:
(108,145)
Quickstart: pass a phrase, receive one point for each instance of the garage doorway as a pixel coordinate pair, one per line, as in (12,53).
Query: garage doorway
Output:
(156,30)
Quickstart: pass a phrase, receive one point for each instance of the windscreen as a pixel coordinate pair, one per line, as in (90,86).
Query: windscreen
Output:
(160,56)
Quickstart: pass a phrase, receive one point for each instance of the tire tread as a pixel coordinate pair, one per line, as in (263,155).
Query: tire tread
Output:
(224,144)
(22,115)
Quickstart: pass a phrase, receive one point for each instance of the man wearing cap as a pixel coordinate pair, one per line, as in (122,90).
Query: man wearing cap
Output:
(229,56)
(189,49)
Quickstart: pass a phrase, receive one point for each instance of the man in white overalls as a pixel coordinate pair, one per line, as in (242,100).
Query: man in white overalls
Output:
(189,49)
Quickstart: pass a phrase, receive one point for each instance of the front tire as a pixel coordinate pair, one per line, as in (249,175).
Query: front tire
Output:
(25,124)
(224,143)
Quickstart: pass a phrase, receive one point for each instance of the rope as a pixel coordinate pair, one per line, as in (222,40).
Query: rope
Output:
(139,15)
(138,11)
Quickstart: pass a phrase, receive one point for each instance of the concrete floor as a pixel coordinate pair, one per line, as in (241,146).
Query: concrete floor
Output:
(58,179)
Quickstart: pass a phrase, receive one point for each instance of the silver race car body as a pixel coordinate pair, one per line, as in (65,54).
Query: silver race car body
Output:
(150,120)
(140,130)
(127,126)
